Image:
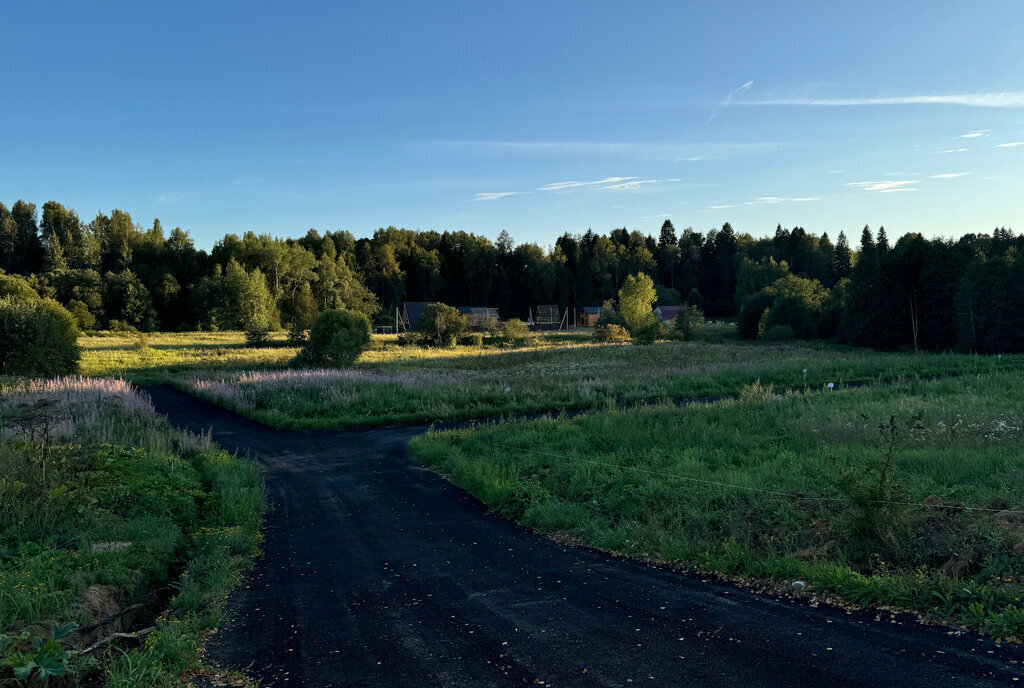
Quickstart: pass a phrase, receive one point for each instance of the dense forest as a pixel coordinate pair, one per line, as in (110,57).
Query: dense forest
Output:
(938,294)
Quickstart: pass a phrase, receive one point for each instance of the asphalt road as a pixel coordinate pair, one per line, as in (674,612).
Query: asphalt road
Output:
(378,572)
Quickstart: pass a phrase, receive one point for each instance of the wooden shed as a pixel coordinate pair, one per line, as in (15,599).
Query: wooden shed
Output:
(588,316)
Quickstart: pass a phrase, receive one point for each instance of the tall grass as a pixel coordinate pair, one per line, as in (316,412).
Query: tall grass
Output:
(96,489)
(390,387)
(786,486)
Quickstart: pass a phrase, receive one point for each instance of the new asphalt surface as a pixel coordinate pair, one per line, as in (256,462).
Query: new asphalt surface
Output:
(377,572)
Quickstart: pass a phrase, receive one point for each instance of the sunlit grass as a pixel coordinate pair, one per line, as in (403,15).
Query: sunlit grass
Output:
(151,357)
(763,488)
(395,385)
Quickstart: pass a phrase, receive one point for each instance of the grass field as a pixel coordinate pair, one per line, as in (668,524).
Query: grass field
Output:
(158,356)
(151,357)
(102,505)
(889,478)
(392,385)
(908,494)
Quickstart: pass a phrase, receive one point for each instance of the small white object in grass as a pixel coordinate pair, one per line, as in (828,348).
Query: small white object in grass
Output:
(831,385)
(799,584)
(508,389)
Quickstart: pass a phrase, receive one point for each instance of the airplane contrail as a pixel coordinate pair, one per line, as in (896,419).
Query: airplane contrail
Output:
(725,103)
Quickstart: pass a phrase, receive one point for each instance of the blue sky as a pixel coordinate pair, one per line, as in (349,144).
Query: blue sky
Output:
(535,117)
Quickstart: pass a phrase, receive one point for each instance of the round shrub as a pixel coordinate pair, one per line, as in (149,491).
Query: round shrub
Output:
(648,330)
(37,337)
(408,339)
(611,333)
(441,325)
(336,339)
(512,333)
(471,339)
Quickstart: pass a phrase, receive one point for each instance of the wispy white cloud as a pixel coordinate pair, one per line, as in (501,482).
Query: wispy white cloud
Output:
(950,175)
(632,150)
(884,187)
(1012,144)
(565,186)
(653,217)
(637,184)
(170,196)
(975,134)
(953,150)
(1005,99)
(495,195)
(766,200)
(606,184)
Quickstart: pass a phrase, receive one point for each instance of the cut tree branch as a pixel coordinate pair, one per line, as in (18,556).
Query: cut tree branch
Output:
(114,636)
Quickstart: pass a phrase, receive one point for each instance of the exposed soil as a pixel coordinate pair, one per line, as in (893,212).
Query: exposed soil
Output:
(377,572)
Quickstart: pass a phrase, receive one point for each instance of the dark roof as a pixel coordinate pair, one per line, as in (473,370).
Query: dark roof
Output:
(591,309)
(414,311)
(669,312)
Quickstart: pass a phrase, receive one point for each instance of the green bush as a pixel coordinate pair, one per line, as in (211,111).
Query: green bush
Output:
(408,339)
(689,320)
(512,332)
(120,326)
(12,285)
(609,316)
(256,336)
(648,330)
(611,333)
(441,325)
(337,339)
(37,338)
(85,319)
(749,320)
(471,339)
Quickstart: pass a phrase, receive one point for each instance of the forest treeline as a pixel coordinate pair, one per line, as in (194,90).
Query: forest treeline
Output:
(938,294)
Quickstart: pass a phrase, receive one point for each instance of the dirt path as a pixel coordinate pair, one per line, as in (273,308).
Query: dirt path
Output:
(379,573)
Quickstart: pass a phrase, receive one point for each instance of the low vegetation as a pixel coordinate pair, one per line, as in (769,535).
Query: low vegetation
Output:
(395,385)
(106,511)
(909,494)
(145,358)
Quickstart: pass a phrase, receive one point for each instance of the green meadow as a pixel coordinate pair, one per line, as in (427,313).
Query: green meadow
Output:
(905,494)
(878,477)
(392,385)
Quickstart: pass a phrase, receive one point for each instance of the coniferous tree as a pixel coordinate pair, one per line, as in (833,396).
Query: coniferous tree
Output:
(842,260)
(28,250)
